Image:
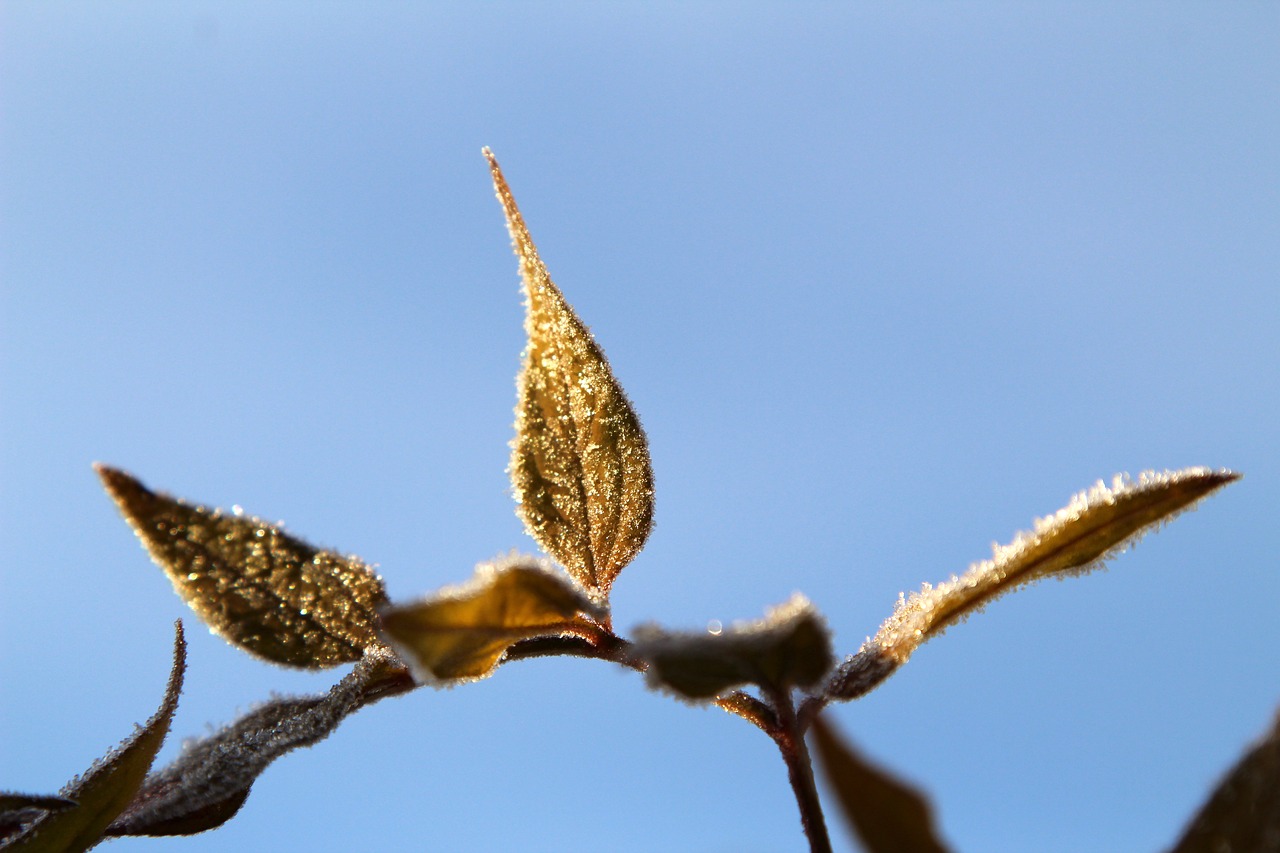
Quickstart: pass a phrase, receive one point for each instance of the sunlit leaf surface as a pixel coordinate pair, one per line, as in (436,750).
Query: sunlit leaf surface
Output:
(1097,524)
(462,633)
(580,461)
(790,647)
(886,814)
(107,788)
(209,782)
(1243,813)
(254,584)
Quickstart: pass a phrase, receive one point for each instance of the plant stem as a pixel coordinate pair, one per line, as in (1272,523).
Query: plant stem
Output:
(790,739)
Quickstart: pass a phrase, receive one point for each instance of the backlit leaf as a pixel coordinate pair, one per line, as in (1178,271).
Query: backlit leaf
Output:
(463,632)
(580,461)
(1243,813)
(886,814)
(106,788)
(209,782)
(790,647)
(18,810)
(252,583)
(1096,525)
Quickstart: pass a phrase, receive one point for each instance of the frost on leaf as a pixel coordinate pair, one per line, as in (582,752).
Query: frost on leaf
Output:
(887,814)
(1243,813)
(580,461)
(1096,525)
(257,586)
(463,632)
(790,647)
(106,788)
(209,782)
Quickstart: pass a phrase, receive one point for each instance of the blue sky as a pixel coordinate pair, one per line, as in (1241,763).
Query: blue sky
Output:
(884,282)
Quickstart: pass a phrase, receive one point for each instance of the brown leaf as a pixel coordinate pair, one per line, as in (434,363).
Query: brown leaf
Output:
(107,787)
(886,814)
(580,461)
(257,586)
(1243,813)
(1096,525)
(463,632)
(209,782)
(789,647)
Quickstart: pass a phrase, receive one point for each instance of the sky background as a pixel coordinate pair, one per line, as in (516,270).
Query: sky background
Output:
(884,282)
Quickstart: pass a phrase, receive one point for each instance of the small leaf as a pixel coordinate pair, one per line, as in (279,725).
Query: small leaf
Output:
(209,782)
(1096,525)
(790,647)
(1243,813)
(887,814)
(107,788)
(580,461)
(252,583)
(463,632)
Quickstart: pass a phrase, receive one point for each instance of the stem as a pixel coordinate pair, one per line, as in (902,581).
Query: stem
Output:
(790,740)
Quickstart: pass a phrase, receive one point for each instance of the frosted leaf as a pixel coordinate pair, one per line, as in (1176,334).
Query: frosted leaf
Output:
(1079,538)
(789,647)
(580,460)
(104,790)
(252,583)
(463,632)
(209,781)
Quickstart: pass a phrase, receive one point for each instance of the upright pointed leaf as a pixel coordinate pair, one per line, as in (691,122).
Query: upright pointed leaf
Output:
(1096,525)
(1243,813)
(790,647)
(462,633)
(209,782)
(580,461)
(107,788)
(887,814)
(257,586)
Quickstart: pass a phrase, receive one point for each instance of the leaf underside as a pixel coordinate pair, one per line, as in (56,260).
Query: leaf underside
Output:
(887,814)
(258,587)
(209,782)
(1243,812)
(1079,538)
(790,647)
(580,461)
(106,788)
(463,633)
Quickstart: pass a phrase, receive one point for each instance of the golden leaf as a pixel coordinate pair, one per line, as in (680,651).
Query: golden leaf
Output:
(463,632)
(252,583)
(108,787)
(1243,813)
(789,647)
(887,814)
(1096,525)
(580,461)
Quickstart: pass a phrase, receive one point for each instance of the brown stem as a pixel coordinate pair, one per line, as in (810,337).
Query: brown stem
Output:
(790,740)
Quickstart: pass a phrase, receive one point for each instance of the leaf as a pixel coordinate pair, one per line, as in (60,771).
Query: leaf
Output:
(108,787)
(886,814)
(18,810)
(209,782)
(258,587)
(580,461)
(463,632)
(789,647)
(1243,813)
(1079,538)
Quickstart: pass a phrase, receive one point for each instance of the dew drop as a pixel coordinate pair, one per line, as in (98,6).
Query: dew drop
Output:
(715,628)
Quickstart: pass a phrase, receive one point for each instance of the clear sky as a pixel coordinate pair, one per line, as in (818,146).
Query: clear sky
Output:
(884,281)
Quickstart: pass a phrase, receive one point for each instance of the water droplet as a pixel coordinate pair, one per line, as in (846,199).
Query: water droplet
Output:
(715,628)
